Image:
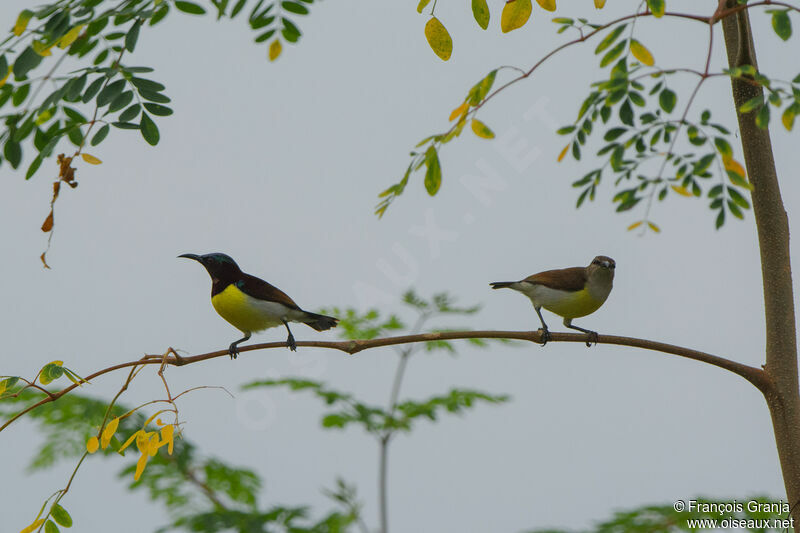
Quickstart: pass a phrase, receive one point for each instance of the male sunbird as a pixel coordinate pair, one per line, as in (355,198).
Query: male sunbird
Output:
(568,292)
(251,304)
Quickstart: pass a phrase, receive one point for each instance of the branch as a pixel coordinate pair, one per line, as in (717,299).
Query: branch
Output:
(754,375)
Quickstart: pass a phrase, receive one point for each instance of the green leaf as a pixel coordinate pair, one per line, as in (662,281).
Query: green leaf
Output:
(129,114)
(13,153)
(294,7)
(26,61)
(120,101)
(154,96)
(782,24)
(750,105)
(60,514)
(158,110)
(762,118)
(74,87)
(290,32)
(667,100)
(125,125)
(34,166)
(614,133)
(149,129)
(147,85)
(93,89)
(614,53)
(433,172)
(238,7)
(111,91)
(480,10)
(160,14)
(626,113)
(189,7)
(656,7)
(610,38)
(100,135)
(20,94)
(723,147)
(740,200)
(132,36)
(51,527)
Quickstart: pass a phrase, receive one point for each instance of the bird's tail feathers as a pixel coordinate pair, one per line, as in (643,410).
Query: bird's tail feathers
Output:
(320,322)
(502,284)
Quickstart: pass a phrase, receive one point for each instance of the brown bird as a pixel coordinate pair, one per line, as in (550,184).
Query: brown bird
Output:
(569,292)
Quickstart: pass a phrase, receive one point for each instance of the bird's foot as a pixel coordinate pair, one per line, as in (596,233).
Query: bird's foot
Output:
(592,338)
(545,335)
(233,350)
(290,343)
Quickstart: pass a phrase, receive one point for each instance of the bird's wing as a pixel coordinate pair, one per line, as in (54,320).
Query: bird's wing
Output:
(258,288)
(567,279)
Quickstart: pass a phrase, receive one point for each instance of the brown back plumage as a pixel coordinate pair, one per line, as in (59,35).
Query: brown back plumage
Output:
(258,288)
(565,279)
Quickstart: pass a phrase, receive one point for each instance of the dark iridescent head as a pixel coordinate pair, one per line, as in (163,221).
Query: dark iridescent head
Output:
(219,266)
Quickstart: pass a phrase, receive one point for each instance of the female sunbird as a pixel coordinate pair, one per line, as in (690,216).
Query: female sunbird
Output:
(568,292)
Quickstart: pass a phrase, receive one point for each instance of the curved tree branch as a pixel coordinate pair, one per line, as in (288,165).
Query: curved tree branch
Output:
(756,376)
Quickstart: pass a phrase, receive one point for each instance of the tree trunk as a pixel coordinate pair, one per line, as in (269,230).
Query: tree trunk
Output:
(781,393)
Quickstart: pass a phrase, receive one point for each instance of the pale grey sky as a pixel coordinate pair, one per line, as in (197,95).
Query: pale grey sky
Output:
(279,165)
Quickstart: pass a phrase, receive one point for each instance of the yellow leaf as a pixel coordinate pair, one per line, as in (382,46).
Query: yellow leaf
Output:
(734,166)
(22,22)
(599,4)
(641,53)
(421,5)
(787,118)
(515,14)
(57,363)
(275,50)
(481,130)
(92,160)
(153,445)
(108,433)
(680,190)
(5,78)
(92,444)
(549,5)
(563,153)
(439,39)
(168,436)
(42,48)
(140,464)
(143,441)
(460,110)
(44,116)
(33,527)
(128,442)
(634,225)
(653,227)
(70,36)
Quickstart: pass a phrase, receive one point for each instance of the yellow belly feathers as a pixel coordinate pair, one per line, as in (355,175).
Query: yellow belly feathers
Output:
(573,304)
(244,312)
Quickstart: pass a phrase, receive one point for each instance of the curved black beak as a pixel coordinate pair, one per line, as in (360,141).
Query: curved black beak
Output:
(192,256)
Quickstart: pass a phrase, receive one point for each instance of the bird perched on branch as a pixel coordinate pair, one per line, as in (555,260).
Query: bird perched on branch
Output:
(569,292)
(251,304)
